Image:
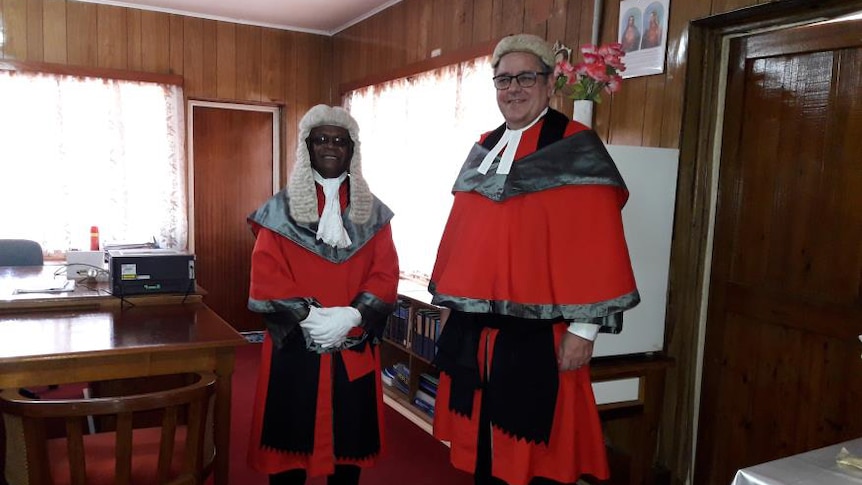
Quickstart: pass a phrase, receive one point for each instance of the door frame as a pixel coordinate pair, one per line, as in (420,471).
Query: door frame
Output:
(700,155)
(276,149)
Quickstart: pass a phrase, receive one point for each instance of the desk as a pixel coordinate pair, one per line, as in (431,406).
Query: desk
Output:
(51,339)
(650,370)
(91,295)
(815,467)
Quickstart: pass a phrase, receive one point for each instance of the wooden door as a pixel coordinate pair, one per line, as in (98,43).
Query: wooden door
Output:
(782,361)
(233,175)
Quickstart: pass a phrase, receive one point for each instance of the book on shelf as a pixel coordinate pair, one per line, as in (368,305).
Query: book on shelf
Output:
(426,329)
(426,408)
(428,383)
(397,329)
(399,376)
(425,397)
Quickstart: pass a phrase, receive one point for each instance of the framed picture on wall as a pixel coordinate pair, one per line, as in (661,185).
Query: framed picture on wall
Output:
(643,35)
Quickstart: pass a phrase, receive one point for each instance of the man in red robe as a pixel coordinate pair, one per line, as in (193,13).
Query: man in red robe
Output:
(533,263)
(324,275)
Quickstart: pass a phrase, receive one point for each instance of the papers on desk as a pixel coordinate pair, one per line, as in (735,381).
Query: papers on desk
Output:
(847,459)
(816,467)
(55,285)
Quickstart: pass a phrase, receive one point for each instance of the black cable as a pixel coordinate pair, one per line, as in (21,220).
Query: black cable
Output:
(188,291)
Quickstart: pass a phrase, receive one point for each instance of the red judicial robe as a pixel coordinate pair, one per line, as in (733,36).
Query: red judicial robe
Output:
(288,263)
(546,245)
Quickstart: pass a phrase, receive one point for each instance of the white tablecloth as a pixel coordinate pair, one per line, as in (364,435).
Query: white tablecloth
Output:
(815,467)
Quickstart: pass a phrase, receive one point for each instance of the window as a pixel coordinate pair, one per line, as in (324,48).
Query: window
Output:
(416,133)
(85,151)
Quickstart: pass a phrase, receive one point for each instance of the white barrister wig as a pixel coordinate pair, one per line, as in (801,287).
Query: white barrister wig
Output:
(524,43)
(300,188)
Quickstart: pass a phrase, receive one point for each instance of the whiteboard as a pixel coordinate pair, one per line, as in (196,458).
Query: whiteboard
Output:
(650,174)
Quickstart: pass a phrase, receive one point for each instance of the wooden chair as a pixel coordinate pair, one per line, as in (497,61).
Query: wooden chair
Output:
(179,452)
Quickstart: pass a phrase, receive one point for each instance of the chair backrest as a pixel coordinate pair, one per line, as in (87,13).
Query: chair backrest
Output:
(20,252)
(178,453)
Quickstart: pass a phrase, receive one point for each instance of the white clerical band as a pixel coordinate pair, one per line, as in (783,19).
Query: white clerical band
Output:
(330,229)
(510,140)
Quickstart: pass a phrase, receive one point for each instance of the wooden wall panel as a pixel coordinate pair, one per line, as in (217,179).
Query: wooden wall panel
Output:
(376,51)
(177,45)
(81,34)
(537,15)
(210,81)
(395,54)
(272,65)
(508,17)
(248,62)
(15,29)
(54,31)
(463,32)
(290,115)
(441,10)
(113,37)
(423,27)
(413,12)
(193,54)
(677,43)
(482,21)
(135,36)
(35,37)
(155,42)
(226,74)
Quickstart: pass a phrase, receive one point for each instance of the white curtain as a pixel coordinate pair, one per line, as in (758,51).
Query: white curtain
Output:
(416,133)
(80,152)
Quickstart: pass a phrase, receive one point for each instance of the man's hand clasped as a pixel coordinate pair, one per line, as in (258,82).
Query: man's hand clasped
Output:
(574,352)
(328,327)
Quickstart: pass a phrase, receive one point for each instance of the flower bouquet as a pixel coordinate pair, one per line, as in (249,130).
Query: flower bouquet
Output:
(599,71)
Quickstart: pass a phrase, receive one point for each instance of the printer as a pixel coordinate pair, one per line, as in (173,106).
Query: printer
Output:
(143,271)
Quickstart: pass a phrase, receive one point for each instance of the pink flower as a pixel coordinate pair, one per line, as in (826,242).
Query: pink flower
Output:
(592,58)
(616,62)
(612,49)
(566,70)
(598,71)
(614,84)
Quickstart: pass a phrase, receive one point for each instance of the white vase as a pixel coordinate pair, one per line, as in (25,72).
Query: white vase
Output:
(584,112)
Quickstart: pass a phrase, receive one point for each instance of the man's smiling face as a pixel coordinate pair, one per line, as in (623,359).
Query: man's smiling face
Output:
(520,105)
(330,150)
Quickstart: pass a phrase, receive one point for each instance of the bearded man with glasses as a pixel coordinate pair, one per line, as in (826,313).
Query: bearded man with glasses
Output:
(324,274)
(533,264)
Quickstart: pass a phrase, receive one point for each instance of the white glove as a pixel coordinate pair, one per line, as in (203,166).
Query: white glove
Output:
(328,327)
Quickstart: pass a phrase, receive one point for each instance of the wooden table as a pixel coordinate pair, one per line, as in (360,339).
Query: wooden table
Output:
(67,338)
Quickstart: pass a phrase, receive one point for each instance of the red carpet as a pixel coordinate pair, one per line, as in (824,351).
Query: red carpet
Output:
(412,456)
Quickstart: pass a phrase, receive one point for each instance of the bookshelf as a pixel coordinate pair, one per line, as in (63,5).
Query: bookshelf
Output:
(408,349)
(638,403)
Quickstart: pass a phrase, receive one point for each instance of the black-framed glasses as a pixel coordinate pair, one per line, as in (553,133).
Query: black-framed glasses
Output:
(320,140)
(525,79)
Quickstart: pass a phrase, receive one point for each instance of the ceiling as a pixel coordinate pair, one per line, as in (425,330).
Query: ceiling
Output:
(325,17)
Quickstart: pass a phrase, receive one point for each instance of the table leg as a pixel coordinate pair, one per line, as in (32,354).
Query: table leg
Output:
(640,470)
(224,372)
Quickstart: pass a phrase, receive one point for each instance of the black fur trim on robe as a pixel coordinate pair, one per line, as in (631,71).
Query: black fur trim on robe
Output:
(355,426)
(291,398)
(291,404)
(521,394)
